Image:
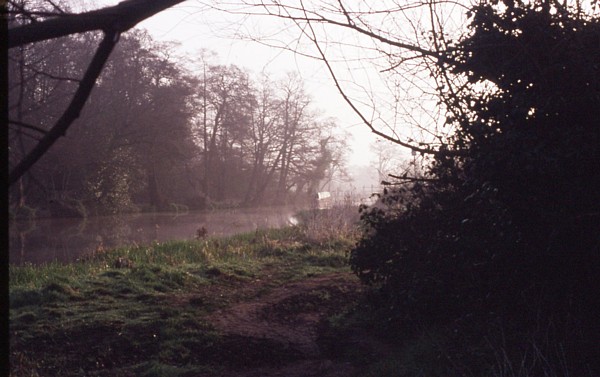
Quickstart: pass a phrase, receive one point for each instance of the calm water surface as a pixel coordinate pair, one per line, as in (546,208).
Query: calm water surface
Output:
(65,240)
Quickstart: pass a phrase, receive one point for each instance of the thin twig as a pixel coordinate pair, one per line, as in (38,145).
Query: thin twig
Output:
(29,126)
(313,38)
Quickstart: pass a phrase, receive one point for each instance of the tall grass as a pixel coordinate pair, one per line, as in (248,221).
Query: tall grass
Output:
(242,252)
(339,222)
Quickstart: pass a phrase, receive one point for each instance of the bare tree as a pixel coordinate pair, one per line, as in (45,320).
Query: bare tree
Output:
(261,140)
(265,154)
(228,101)
(367,47)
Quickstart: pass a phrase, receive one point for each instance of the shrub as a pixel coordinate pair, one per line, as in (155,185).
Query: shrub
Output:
(505,224)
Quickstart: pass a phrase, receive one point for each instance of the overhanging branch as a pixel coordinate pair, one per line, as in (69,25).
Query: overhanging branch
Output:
(72,112)
(119,18)
(404,178)
(338,86)
(281,11)
(113,21)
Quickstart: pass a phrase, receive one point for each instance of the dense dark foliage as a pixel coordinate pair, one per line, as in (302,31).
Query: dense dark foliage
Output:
(506,227)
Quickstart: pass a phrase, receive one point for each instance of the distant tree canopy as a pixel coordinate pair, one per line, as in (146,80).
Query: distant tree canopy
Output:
(154,135)
(505,223)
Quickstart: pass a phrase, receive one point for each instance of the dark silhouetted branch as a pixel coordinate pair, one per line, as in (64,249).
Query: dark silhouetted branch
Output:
(29,126)
(119,18)
(72,112)
(113,21)
(406,178)
(312,36)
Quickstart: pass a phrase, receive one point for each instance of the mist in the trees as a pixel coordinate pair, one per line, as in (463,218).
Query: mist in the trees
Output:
(155,134)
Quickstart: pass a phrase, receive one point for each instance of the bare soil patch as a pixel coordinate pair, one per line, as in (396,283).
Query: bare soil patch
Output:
(276,333)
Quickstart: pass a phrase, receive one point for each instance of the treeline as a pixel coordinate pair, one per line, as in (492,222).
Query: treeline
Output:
(156,136)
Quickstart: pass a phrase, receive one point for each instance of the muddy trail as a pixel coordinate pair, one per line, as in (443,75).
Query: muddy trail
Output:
(279,331)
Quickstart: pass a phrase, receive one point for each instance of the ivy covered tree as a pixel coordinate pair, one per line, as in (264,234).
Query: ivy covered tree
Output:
(504,227)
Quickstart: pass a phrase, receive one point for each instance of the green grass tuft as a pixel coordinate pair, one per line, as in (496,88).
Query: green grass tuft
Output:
(140,310)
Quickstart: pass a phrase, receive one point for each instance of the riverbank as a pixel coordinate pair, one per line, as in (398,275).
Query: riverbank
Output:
(67,239)
(261,304)
(246,305)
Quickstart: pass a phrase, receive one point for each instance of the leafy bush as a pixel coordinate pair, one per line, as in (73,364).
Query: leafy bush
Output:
(505,224)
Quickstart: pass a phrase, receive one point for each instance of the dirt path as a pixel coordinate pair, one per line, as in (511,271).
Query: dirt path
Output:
(276,333)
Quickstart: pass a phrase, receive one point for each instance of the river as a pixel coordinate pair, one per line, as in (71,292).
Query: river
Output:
(66,239)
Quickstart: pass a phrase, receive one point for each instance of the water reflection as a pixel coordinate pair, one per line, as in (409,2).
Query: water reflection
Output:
(43,240)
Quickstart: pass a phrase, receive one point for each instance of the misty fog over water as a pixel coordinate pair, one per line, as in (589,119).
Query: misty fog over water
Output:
(66,239)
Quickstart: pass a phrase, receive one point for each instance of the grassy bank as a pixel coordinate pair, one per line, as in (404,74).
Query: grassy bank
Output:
(142,311)
(266,303)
